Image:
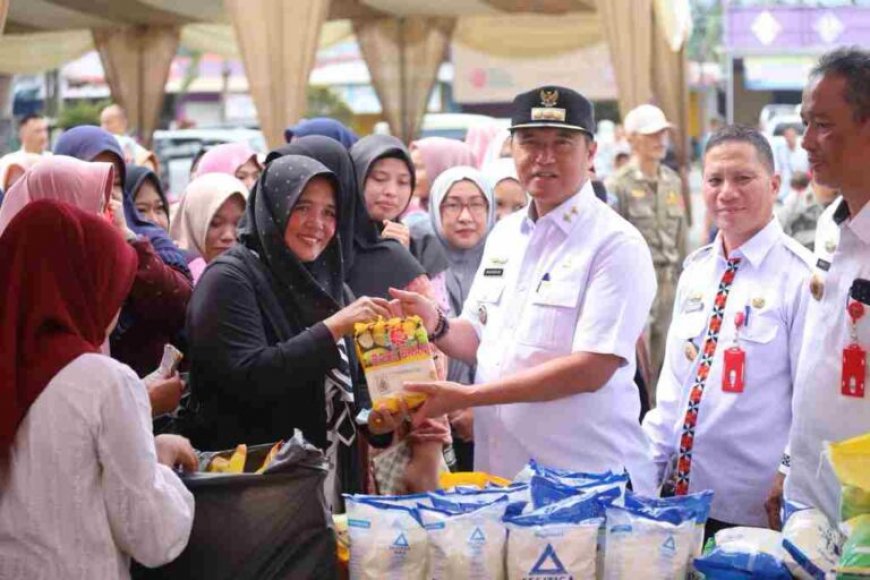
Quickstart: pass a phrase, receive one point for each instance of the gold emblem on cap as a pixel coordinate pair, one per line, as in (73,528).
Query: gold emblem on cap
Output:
(549,98)
(817,287)
(758,302)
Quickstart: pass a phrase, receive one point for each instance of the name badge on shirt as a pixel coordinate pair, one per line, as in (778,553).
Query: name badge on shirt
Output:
(493,272)
(823,265)
(694,303)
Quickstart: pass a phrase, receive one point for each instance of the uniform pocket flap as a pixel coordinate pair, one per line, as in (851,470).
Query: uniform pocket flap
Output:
(760,330)
(689,325)
(558,293)
(492,291)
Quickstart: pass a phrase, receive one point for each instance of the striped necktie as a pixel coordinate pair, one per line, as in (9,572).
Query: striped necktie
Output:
(687,440)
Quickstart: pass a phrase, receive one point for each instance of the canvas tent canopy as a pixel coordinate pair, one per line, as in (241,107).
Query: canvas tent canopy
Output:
(402,41)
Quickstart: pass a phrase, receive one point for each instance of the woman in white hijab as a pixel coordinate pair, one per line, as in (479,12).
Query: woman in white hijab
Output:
(462,212)
(208,216)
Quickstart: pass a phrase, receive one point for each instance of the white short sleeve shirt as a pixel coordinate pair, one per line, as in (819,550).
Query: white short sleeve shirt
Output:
(578,279)
(821,412)
(739,437)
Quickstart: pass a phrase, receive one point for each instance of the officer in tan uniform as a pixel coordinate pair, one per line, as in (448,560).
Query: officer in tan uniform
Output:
(648,194)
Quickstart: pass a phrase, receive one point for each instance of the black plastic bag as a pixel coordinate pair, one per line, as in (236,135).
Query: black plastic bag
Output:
(257,527)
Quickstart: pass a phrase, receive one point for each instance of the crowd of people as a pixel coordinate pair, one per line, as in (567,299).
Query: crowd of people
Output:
(560,309)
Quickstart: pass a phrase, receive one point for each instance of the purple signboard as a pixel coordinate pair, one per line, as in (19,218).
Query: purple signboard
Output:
(784,29)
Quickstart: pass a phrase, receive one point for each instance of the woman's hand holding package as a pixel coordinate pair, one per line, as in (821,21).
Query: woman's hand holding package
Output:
(362,310)
(165,394)
(176,451)
(397,231)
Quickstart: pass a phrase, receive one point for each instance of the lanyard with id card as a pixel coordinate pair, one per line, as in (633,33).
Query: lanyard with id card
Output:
(734,358)
(854,355)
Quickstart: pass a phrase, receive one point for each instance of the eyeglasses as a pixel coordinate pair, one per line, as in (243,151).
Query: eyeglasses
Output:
(476,207)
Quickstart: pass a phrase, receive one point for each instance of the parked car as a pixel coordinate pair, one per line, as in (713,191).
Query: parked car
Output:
(176,150)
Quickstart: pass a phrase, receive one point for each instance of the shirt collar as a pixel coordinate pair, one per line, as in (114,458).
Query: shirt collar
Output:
(859,224)
(757,247)
(566,215)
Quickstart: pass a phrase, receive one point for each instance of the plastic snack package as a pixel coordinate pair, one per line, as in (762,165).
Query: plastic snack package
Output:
(561,540)
(812,543)
(477,479)
(393,352)
(851,462)
(467,545)
(386,541)
(745,553)
(855,561)
(169,362)
(545,491)
(653,546)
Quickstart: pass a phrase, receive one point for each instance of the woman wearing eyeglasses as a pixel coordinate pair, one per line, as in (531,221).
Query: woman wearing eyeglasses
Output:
(462,212)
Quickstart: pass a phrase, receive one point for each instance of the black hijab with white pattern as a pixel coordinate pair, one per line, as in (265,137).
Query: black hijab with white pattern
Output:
(309,292)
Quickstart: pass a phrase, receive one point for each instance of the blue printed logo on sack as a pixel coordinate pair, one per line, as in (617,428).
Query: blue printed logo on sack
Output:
(669,547)
(401,543)
(548,567)
(477,537)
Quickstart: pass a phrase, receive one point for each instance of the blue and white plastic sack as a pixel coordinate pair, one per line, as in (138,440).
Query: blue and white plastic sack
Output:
(467,545)
(387,541)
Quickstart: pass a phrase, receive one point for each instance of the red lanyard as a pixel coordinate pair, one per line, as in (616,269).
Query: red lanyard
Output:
(854,357)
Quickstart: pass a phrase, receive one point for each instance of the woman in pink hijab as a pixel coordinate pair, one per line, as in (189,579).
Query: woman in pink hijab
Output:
(14,165)
(236,159)
(478,139)
(87,186)
(432,156)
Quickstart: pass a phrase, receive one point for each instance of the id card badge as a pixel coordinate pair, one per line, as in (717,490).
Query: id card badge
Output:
(854,362)
(854,357)
(734,370)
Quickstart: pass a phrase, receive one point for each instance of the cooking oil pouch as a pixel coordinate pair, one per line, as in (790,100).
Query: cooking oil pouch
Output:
(393,352)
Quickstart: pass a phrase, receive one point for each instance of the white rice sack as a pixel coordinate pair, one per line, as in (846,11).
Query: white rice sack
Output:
(469,545)
(553,551)
(642,547)
(812,543)
(387,541)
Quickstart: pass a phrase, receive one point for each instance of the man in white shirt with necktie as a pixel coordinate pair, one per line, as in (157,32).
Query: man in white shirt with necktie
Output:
(832,402)
(725,392)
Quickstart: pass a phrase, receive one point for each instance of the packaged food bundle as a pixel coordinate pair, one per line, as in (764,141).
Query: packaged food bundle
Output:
(812,543)
(560,540)
(468,544)
(851,462)
(386,540)
(642,543)
(745,553)
(855,561)
(393,352)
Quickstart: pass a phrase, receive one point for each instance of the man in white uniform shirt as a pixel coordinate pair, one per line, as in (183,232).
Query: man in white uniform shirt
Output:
(725,392)
(562,295)
(832,402)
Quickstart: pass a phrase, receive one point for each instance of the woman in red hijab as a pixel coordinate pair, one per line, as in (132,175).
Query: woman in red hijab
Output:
(84,485)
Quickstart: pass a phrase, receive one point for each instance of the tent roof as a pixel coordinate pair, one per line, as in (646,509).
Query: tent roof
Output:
(45,15)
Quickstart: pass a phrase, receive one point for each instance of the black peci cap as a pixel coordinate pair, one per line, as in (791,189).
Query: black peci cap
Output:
(552,106)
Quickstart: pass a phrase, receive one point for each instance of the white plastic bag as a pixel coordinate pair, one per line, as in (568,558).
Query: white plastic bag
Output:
(642,547)
(553,551)
(387,541)
(468,545)
(812,543)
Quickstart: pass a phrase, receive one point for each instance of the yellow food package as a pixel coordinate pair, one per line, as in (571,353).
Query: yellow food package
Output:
(270,457)
(851,461)
(393,352)
(478,478)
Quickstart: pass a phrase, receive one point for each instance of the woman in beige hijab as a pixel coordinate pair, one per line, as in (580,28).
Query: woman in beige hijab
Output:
(207,218)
